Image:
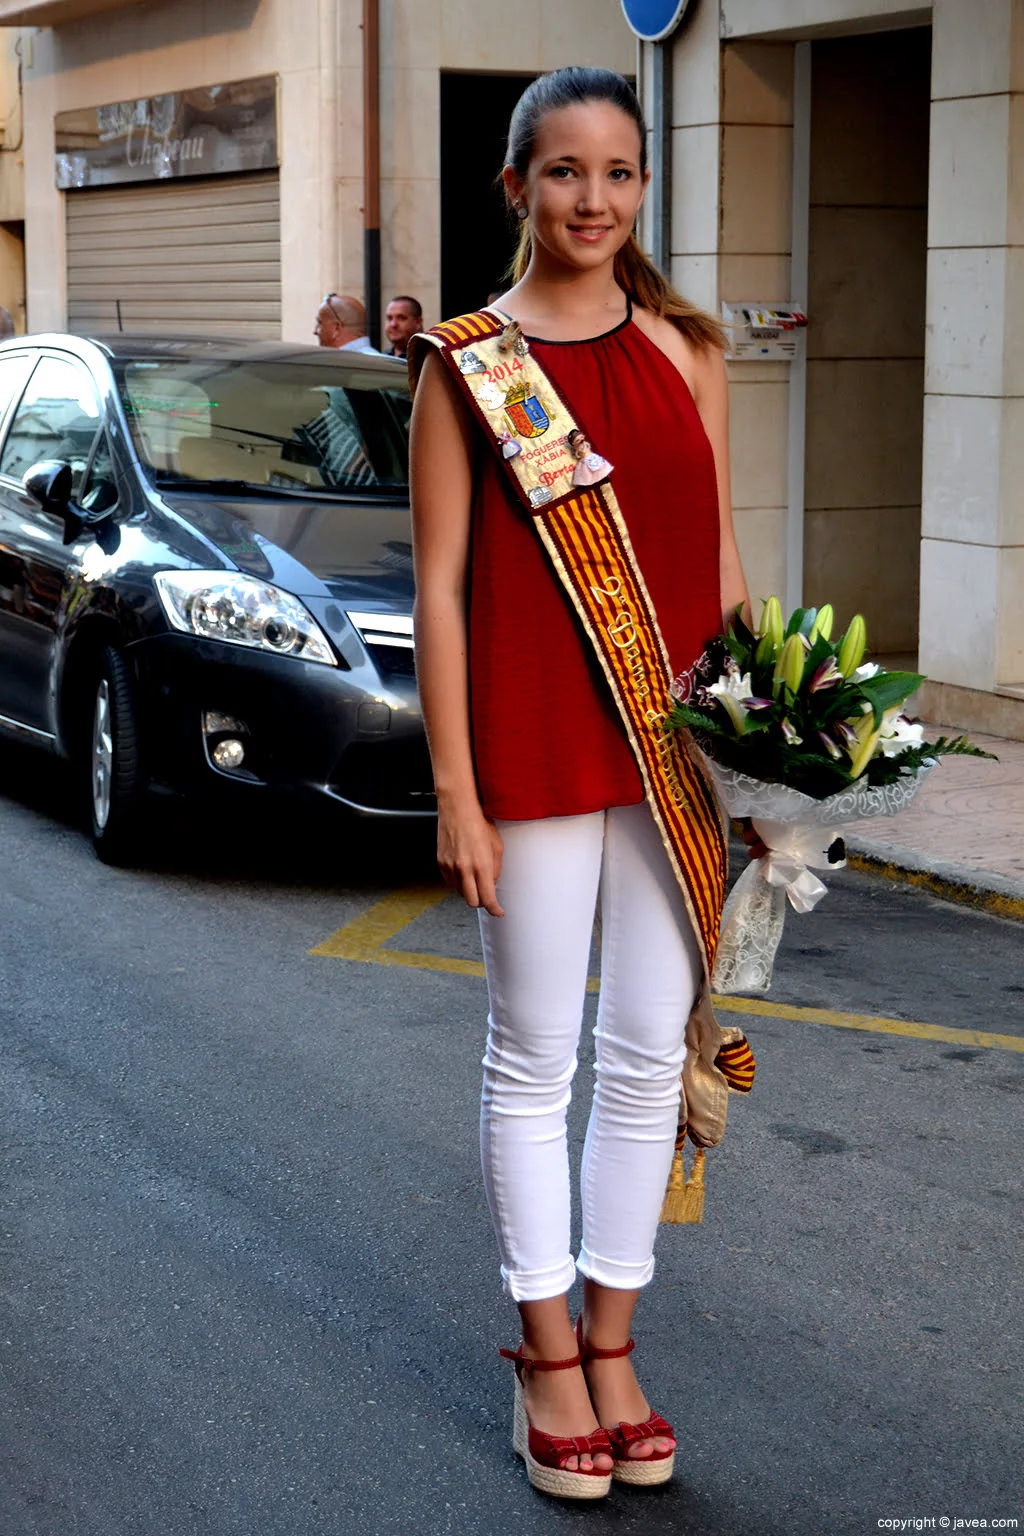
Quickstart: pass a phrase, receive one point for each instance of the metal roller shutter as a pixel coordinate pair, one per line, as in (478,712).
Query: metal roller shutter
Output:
(191,257)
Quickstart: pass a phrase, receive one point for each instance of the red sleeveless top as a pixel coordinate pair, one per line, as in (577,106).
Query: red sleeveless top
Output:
(547,737)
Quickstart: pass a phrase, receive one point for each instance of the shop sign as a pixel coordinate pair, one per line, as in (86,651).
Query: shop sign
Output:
(212,130)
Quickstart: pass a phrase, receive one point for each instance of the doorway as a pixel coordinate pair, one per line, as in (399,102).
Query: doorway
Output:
(477,239)
(870,109)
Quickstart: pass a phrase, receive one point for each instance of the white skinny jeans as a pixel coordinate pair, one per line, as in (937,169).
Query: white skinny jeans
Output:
(537,960)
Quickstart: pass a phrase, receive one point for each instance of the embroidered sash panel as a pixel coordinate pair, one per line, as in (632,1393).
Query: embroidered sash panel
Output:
(567,493)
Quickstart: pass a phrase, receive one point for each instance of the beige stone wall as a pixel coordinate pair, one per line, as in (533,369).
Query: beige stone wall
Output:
(755,244)
(865,370)
(147,50)
(315,46)
(419,38)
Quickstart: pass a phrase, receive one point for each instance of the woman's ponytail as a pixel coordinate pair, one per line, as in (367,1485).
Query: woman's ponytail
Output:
(635,273)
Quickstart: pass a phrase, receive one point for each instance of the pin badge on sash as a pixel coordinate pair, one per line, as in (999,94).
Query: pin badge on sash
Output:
(470,363)
(589,467)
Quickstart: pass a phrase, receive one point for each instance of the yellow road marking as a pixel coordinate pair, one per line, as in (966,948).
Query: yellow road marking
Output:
(366,938)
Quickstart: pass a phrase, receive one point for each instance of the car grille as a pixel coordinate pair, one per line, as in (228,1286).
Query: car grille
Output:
(389,640)
(387,776)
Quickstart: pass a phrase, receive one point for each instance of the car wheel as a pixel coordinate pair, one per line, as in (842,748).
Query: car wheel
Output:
(115,785)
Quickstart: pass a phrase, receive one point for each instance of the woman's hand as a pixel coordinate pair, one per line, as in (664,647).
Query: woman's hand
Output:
(469,851)
(755,848)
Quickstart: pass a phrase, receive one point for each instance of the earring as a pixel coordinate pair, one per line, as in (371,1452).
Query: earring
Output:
(522,212)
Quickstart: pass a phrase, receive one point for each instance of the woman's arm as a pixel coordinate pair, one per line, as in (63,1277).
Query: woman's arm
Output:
(440,475)
(711,396)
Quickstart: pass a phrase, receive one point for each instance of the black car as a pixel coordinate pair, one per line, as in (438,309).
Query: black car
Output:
(206,573)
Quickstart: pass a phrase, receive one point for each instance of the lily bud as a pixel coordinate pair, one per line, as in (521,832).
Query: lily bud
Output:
(823,623)
(843,730)
(789,732)
(867,735)
(829,745)
(825,676)
(852,646)
(771,621)
(789,669)
(759,703)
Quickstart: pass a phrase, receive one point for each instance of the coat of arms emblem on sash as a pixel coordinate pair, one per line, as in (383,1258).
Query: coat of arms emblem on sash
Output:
(524,412)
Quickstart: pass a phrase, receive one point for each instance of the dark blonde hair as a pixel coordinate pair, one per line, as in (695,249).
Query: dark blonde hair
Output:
(635,273)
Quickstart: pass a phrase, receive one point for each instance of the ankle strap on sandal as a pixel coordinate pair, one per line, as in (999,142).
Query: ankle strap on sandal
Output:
(520,1360)
(588,1351)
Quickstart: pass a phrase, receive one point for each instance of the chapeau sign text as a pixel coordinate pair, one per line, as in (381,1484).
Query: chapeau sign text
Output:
(212,130)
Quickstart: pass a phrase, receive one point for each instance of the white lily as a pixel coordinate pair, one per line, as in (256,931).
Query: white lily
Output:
(898,733)
(868,669)
(733,690)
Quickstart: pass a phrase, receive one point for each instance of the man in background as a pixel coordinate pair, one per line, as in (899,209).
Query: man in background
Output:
(6,324)
(403,320)
(341,323)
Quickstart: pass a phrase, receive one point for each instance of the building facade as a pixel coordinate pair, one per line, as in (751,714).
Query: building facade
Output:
(865,159)
(194,166)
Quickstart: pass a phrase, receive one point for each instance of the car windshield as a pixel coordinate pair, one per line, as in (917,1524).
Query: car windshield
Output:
(289,426)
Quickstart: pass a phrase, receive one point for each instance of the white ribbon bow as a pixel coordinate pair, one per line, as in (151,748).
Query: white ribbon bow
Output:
(803,889)
(793,846)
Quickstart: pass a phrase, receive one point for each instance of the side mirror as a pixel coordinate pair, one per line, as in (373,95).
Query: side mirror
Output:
(49,483)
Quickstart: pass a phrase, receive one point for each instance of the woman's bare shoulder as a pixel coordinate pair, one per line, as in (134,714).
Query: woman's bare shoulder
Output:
(689,359)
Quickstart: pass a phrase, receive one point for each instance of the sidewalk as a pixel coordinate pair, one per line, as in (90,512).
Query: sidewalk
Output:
(963,837)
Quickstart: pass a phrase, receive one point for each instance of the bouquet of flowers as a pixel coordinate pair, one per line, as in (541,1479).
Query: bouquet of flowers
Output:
(803,736)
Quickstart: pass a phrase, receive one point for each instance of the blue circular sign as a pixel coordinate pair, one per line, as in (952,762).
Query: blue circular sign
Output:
(654,20)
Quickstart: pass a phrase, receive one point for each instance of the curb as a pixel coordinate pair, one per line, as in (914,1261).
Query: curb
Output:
(951,882)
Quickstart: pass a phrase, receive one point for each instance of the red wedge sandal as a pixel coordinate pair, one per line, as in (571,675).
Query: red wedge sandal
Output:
(546,1455)
(644,1471)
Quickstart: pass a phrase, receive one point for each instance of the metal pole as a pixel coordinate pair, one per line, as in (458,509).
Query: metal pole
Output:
(371,167)
(661,156)
(798,295)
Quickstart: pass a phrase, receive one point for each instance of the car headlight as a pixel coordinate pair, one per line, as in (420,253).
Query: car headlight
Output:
(225,605)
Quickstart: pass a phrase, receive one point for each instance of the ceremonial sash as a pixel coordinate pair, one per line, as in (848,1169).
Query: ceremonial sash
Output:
(568,495)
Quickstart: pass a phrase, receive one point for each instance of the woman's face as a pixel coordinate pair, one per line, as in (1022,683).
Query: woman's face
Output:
(580,447)
(583,186)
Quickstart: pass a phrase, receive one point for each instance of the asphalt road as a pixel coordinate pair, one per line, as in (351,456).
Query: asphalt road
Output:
(247,1285)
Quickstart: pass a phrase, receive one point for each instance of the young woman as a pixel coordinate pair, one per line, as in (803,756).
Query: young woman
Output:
(542,809)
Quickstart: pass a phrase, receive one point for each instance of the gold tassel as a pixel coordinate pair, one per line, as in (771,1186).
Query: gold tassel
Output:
(684,1197)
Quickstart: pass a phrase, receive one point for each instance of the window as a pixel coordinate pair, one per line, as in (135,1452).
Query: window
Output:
(14,368)
(57,419)
(288,426)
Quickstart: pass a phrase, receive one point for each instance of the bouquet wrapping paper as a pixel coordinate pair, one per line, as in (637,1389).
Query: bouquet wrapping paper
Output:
(799,832)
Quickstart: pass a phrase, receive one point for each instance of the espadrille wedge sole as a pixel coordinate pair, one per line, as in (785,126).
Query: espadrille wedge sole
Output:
(642,1472)
(639,1471)
(545,1455)
(554,1480)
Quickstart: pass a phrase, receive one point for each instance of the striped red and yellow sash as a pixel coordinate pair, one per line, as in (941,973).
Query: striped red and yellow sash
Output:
(528,422)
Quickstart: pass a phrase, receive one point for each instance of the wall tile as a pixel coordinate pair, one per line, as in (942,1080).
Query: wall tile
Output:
(696,277)
(866,560)
(864,432)
(959,596)
(757,83)
(868,269)
(410,100)
(411,33)
(757,176)
(969,162)
(468,36)
(695,190)
(696,69)
(754,277)
(868,95)
(978,49)
(960,499)
(578,32)
(758,416)
(1010,644)
(761,536)
(409,238)
(966,315)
